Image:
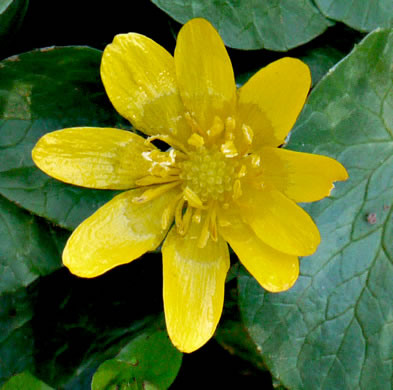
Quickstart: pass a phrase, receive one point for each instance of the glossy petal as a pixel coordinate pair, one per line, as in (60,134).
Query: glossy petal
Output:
(93,157)
(194,280)
(139,78)
(278,221)
(272,99)
(204,73)
(117,233)
(275,271)
(303,177)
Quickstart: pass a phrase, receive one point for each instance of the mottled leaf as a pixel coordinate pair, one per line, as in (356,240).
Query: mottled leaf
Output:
(334,328)
(42,91)
(276,25)
(363,15)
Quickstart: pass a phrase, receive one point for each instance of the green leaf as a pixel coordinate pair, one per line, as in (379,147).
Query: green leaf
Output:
(12,13)
(276,25)
(148,361)
(16,341)
(320,60)
(363,15)
(29,247)
(231,333)
(334,328)
(42,91)
(24,381)
(61,328)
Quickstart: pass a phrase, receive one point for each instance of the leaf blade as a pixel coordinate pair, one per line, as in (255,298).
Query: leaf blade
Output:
(277,25)
(332,329)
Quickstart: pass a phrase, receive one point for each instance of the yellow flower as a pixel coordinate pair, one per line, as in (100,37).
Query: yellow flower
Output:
(223,179)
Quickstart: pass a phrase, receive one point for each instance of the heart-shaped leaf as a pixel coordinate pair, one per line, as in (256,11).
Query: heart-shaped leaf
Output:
(334,328)
(276,25)
(363,15)
(42,91)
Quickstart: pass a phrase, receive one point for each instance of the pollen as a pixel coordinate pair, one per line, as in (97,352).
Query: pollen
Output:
(209,174)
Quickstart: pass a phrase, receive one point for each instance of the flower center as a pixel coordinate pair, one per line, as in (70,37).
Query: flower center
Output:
(208,173)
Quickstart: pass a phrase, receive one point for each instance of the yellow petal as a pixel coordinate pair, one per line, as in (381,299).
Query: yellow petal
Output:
(275,271)
(204,73)
(93,157)
(278,221)
(272,99)
(194,281)
(303,177)
(117,233)
(139,78)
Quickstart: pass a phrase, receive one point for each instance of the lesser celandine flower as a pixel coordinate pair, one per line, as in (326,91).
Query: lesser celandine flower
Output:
(223,179)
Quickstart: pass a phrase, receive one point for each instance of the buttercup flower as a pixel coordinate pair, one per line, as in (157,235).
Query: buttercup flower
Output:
(223,179)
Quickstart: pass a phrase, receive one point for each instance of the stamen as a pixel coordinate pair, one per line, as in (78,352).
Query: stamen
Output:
(186,220)
(217,127)
(177,155)
(248,133)
(228,149)
(205,232)
(169,212)
(255,160)
(155,192)
(196,140)
(237,190)
(242,171)
(230,125)
(150,180)
(193,123)
(197,216)
(213,224)
(192,198)
(179,215)
(163,170)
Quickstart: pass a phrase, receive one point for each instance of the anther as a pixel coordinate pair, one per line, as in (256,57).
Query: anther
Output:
(193,123)
(213,224)
(242,171)
(248,133)
(228,149)
(155,192)
(192,198)
(237,189)
(205,233)
(197,216)
(196,140)
(230,125)
(179,215)
(149,180)
(255,160)
(169,212)
(217,127)
(186,220)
